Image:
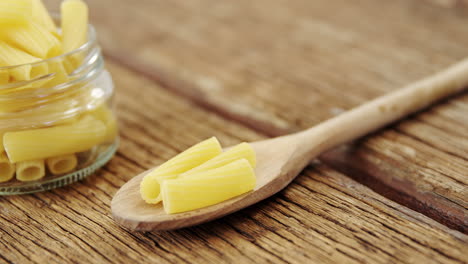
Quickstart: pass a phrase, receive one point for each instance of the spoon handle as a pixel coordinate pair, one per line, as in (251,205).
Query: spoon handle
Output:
(384,110)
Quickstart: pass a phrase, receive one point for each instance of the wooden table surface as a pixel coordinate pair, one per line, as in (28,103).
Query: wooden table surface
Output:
(246,70)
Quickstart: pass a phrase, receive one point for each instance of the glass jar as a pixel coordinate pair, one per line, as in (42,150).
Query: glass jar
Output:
(57,122)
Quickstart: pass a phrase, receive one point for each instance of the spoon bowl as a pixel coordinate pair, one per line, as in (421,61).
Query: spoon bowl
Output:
(131,211)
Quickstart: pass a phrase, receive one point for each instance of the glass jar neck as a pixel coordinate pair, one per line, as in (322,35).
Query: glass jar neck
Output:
(44,74)
(53,90)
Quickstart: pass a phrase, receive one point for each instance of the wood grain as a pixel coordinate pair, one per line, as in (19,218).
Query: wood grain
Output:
(438,180)
(280,66)
(323,216)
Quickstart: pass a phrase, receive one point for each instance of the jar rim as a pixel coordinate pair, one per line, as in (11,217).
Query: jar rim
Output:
(27,103)
(92,39)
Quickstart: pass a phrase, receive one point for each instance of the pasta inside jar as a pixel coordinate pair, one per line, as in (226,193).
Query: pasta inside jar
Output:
(57,126)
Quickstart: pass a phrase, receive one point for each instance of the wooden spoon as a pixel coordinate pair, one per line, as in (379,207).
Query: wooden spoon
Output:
(281,159)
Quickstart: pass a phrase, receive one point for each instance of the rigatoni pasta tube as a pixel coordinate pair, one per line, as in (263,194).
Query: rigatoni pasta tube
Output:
(7,169)
(62,164)
(240,151)
(30,170)
(74,24)
(39,69)
(208,187)
(58,102)
(54,141)
(10,55)
(41,16)
(45,112)
(60,74)
(15,12)
(68,65)
(34,39)
(190,158)
(104,114)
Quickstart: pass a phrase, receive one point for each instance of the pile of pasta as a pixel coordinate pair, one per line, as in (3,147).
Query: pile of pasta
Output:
(201,176)
(29,36)
(26,153)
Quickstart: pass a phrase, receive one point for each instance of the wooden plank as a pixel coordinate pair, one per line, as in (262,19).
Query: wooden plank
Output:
(280,66)
(436,144)
(437,181)
(323,216)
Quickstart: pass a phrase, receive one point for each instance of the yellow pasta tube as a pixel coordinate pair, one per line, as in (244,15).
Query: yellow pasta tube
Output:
(190,158)
(208,187)
(10,56)
(62,164)
(54,141)
(58,103)
(39,69)
(47,112)
(60,74)
(34,39)
(30,170)
(15,12)
(7,169)
(21,73)
(68,65)
(41,16)
(240,151)
(74,24)
(104,114)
